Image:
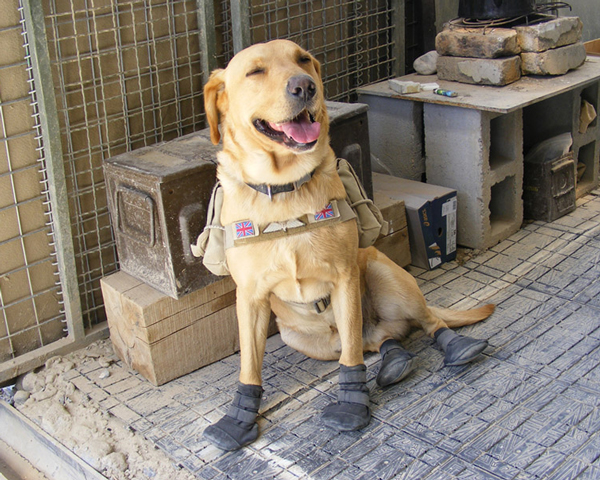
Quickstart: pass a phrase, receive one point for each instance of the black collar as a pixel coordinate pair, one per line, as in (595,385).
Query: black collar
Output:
(271,190)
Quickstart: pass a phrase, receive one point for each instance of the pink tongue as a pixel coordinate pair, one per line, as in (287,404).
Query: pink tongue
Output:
(301,131)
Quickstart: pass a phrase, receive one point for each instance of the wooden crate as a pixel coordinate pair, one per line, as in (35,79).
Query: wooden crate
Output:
(592,47)
(395,244)
(163,338)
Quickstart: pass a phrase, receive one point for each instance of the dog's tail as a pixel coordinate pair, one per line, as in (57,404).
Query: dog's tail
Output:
(460,318)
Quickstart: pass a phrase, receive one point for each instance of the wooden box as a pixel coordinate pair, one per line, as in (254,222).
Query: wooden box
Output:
(592,47)
(163,338)
(395,244)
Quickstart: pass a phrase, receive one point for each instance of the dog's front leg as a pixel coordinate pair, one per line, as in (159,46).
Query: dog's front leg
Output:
(238,427)
(351,412)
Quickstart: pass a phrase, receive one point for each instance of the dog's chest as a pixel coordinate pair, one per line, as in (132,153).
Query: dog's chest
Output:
(309,266)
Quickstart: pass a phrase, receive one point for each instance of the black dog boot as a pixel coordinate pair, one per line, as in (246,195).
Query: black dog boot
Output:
(396,363)
(459,350)
(351,412)
(238,427)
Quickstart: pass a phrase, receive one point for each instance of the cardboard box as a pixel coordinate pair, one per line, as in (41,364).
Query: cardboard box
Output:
(592,47)
(431,216)
(395,244)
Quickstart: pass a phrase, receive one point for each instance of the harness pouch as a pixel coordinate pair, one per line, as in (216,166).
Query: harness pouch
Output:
(369,220)
(211,242)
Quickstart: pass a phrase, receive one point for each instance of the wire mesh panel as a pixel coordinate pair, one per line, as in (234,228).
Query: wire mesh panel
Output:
(352,39)
(30,296)
(127,74)
(224,32)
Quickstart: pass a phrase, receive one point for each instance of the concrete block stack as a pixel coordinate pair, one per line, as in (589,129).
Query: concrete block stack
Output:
(499,56)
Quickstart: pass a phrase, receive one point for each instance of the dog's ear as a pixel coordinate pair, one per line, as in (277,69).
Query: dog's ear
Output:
(317,66)
(213,90)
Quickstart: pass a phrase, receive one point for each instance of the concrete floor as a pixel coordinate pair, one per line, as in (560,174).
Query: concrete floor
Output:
(14,467)
(527,409)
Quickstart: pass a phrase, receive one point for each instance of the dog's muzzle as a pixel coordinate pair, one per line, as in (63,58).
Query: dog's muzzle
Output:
(300,133)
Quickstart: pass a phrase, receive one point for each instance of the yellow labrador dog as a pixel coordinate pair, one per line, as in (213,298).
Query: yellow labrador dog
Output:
(293,244)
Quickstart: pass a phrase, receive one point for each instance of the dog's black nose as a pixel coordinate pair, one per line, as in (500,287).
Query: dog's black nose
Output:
(302,87)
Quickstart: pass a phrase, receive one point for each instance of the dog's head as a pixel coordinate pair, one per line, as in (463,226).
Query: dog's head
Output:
(271,96)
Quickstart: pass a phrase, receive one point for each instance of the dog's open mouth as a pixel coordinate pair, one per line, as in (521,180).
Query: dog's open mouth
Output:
(299,133)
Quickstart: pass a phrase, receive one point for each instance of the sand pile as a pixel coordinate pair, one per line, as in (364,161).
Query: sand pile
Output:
(74,419)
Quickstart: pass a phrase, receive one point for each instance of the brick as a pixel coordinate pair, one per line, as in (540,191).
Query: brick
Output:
(480,71)
(557,61)
(472,42)
(544,36)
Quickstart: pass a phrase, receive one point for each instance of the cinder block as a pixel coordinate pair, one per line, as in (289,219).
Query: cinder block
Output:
(541,122)
(479,154)
(586,145)
(481,71)
(395,131)
(472,42)
(552,34)
(557,61)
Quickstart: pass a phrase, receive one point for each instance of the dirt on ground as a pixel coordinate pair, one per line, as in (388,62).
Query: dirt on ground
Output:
(74,419)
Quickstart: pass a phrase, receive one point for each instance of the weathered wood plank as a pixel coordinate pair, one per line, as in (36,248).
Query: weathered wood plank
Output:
(163,338)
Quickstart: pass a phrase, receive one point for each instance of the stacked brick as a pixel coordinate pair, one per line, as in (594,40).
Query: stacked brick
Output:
(499,56)
(551,48)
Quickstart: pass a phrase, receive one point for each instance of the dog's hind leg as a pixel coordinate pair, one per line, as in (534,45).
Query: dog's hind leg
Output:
(458,349)
(396,363)
(398,302)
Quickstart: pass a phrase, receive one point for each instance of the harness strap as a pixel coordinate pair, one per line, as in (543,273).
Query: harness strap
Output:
(244,232)
(322,304)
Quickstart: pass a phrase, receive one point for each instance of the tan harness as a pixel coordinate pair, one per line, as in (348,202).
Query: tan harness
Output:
(216,238)
(244,232)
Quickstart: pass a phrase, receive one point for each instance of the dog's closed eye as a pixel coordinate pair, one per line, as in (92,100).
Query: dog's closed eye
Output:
(255,71)
(303,59)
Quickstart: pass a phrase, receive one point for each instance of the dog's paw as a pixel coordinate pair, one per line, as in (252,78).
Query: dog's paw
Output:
(459,350)
(238,427)
(351,412)
(463,350)
(346,417)
(396,363)
(229,434)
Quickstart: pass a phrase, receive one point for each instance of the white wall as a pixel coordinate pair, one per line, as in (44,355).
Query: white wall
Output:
(589,13)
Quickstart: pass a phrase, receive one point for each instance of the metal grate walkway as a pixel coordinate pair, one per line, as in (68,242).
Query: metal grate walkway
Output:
(528,409)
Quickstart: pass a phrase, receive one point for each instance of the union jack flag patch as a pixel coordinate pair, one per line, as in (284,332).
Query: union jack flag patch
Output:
(244,229)
(327,212)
